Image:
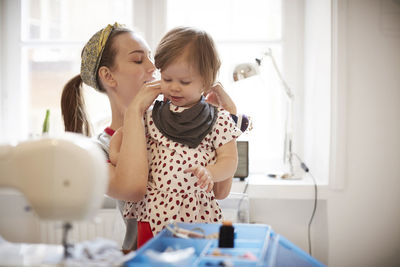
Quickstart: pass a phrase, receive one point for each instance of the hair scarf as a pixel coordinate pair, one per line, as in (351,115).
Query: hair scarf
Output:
(92,53)
(188,127)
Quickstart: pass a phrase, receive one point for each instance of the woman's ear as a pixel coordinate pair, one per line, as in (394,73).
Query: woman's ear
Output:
(106,77)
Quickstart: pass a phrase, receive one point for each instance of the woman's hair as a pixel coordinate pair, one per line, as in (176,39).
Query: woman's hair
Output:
(73,107)
(201,52)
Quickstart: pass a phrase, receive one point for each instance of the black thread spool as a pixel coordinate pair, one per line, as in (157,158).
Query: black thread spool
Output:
(226,235)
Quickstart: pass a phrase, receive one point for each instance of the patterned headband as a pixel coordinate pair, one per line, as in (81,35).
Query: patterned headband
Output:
(92,53)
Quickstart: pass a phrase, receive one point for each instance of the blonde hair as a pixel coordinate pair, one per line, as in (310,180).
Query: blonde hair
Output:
(200,50)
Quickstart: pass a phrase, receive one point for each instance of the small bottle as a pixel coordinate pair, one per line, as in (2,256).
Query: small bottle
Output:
(226,235)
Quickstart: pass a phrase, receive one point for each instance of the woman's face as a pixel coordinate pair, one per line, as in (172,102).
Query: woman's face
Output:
(133,66)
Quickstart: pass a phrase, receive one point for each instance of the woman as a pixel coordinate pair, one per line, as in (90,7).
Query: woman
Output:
(118,62)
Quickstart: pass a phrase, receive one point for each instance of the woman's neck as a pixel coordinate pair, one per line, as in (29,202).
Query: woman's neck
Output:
(117,113)
(117,118)
(117,121)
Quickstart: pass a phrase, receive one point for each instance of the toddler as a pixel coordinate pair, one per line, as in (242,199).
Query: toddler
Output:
(191,143)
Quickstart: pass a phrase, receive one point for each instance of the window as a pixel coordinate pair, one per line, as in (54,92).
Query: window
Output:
(42,52)
(243,31)
(52,36)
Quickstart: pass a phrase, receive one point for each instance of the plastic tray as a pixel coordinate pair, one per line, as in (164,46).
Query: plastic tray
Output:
(251,238)
(267,249)
(283,253)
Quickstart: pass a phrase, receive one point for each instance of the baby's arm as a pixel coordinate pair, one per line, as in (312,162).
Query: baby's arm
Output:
(115,146)
(223,169)
(222,189)
(226,164)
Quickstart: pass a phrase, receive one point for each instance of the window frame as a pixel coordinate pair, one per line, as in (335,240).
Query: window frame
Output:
(14,100)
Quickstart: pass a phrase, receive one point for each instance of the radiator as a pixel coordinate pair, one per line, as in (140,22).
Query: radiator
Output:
(20,224)
(107,224)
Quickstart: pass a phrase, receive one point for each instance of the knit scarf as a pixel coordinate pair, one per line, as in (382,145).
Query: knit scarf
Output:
(188,127)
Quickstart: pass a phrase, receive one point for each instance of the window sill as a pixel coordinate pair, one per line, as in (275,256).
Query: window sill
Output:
(263,187)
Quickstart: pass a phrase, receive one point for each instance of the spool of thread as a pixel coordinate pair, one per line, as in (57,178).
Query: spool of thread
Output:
(226,235)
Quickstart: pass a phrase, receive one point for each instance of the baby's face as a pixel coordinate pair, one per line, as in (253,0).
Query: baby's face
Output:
(181,84)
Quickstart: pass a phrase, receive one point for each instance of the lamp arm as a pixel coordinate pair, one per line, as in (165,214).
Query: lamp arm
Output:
(288,91)
(288,142)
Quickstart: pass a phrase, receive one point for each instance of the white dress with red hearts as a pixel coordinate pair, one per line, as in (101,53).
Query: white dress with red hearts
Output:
(172,194)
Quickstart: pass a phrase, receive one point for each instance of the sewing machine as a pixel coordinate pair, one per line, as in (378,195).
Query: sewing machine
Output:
(63,178)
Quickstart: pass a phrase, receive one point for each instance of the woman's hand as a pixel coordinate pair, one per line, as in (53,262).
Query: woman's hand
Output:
(204,176)
(217,96)
(115,146)
(145,97)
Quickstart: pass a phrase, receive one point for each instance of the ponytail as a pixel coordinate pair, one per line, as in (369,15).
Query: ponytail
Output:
(73,107)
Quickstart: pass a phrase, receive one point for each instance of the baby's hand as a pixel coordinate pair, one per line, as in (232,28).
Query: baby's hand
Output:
(204,176)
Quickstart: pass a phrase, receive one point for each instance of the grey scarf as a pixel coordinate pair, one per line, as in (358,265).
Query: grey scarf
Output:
(188,127)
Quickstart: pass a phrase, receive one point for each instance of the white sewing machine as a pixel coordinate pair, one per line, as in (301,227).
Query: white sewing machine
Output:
(63,178)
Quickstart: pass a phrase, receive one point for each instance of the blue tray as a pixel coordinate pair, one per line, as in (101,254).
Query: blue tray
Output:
(266,248)
(283,253)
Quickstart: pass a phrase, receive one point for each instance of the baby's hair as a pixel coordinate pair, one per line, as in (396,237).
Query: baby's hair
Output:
(201,52)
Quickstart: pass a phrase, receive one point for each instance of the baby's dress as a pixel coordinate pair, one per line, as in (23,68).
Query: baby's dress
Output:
(171,193)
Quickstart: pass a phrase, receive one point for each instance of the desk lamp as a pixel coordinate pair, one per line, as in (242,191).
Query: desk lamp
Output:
(246,70)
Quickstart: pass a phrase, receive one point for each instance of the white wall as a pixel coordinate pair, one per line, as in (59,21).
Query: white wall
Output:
(317,87)
(1,65)
(364,219)
(358,225)
(290,217)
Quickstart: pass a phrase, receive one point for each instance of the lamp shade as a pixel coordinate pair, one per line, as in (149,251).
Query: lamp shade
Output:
(245,70)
